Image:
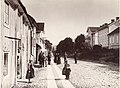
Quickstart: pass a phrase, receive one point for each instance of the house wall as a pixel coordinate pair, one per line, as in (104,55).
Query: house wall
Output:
(114,37)
(0,42)
(15,29)
(28,44)
(18,50)
(103,37)
(34,44)
(114,41)
(23,48)
(96,38)
(8,71)
(12,47)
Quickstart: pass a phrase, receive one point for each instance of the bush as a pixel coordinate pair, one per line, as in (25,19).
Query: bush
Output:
(97,48)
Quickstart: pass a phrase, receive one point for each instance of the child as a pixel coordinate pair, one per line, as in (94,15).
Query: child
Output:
(66,70)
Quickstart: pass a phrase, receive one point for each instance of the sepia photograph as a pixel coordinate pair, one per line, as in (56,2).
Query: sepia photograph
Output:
(59,43)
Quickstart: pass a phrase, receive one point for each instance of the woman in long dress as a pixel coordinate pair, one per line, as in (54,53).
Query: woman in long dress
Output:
(30,71)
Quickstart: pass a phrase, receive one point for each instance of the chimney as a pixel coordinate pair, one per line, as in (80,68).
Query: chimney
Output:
(112,20)
(117,18)
(105,24)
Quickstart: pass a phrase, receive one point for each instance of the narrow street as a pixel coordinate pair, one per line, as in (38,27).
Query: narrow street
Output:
(47,77)
(84,75)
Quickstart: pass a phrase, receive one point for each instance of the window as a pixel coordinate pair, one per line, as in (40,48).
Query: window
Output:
(5,69)
(117,38)
(6,13)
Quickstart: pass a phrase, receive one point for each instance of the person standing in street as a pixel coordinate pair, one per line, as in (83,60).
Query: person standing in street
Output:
(49,58)
(55,57)
(65,57)
(40,59)
(43,59)
(75,57)
(30,71)
(66,70)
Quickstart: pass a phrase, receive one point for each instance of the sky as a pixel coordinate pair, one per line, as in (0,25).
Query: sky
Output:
(70,18)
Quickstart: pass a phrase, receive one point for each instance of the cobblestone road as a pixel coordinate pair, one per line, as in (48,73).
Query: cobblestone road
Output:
(86,74)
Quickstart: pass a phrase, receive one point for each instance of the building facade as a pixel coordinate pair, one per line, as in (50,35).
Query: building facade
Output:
(114,34)
(103,36)
(17,42)
(91,34)
(7,28)
(106,35)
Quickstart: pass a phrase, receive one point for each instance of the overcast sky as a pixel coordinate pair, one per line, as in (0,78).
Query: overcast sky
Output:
(70,18)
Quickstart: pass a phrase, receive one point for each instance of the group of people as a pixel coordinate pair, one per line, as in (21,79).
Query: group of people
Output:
(42,59)
(57,58)
(43,62)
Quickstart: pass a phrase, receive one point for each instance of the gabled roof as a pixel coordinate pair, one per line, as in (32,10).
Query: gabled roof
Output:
(40,27)
(114,31)
(93,29)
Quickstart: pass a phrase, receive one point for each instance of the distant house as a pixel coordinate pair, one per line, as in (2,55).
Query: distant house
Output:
(91,35)
(106,35)
(114,34)
(103,35)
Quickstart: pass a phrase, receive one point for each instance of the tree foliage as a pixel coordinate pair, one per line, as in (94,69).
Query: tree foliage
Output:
(79,42)
(65,45)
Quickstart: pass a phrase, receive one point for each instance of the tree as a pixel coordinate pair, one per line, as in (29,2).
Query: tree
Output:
(68,45)
(79,43)
(60,47)
(65,45)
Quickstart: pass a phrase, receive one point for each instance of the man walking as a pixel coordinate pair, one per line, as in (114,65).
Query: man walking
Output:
(65,57)
(75,57)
